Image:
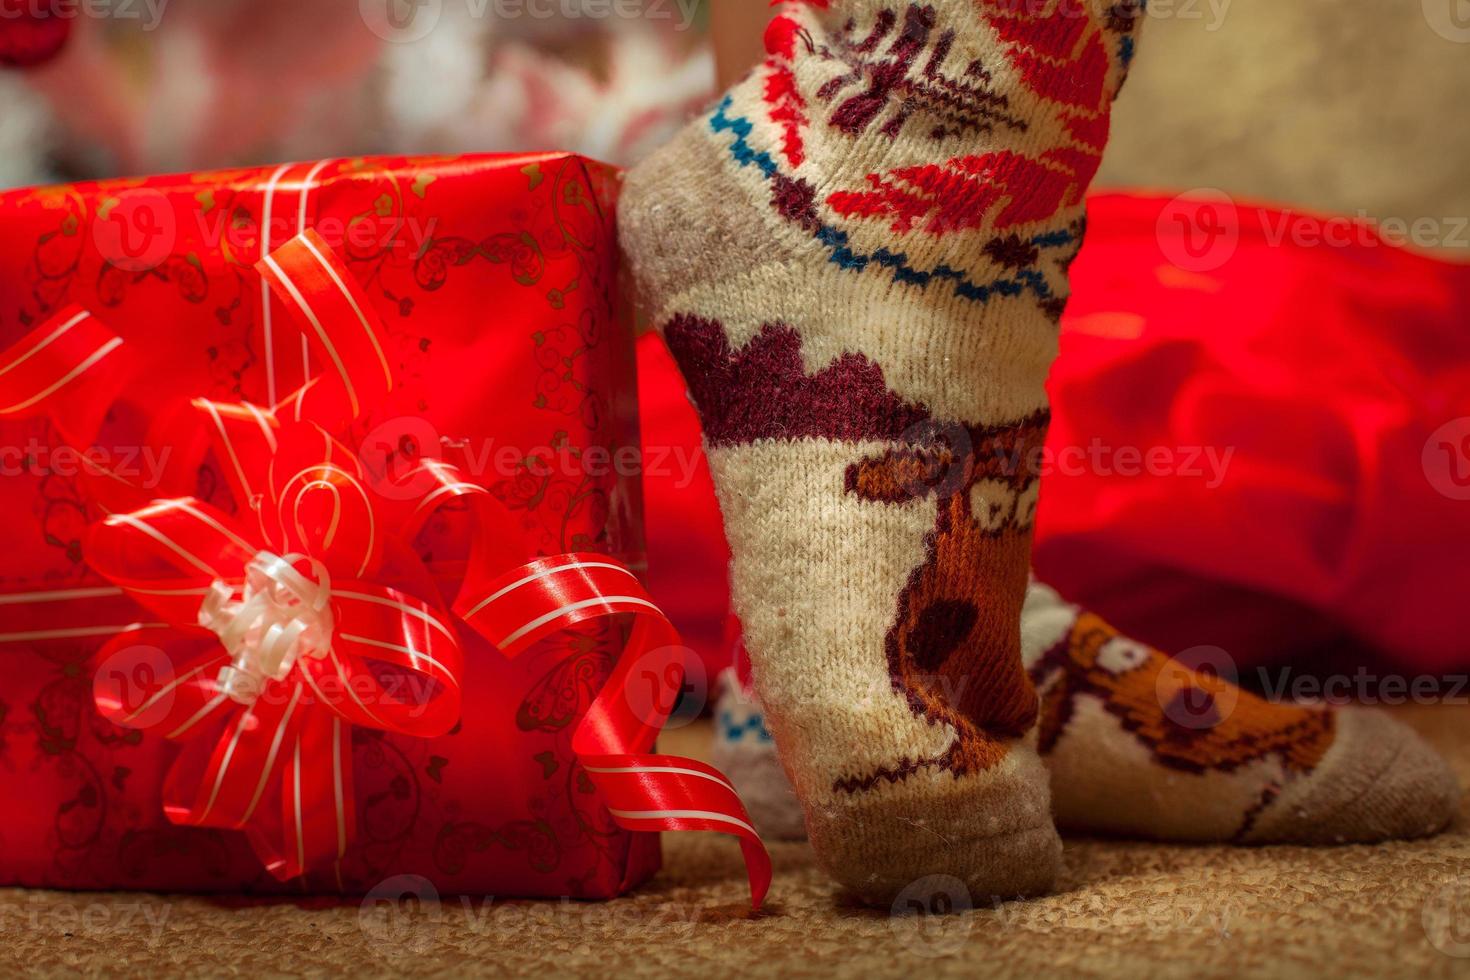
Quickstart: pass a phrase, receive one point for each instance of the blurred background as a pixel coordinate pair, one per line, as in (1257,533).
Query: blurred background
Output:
(1349,106)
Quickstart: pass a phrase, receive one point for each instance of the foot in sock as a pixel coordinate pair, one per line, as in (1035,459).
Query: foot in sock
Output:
(1139,746)
(859,259)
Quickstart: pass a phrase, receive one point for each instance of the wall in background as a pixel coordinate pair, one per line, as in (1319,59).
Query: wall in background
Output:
(1337,105)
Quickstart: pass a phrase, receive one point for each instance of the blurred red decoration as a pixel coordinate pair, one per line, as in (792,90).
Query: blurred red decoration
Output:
(31,32)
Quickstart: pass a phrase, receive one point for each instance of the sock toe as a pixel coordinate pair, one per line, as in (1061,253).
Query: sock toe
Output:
(1380,781)
(978,840)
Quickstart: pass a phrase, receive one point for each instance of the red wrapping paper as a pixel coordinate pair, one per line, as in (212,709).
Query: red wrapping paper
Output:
(495,279)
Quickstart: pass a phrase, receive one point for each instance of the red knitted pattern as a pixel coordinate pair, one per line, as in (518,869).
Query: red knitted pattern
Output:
(1059,57)
(963,193)
(897,68)
(787,107)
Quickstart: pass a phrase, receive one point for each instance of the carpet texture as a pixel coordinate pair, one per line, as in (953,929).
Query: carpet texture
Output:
(1124,909)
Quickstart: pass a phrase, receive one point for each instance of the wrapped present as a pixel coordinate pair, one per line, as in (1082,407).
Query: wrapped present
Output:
(324,531)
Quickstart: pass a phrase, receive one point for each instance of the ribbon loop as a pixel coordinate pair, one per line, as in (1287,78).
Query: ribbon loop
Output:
(55,368)
(335,316)
(243,437)
(643,792)
(167,554)
(395,663)
(318,503)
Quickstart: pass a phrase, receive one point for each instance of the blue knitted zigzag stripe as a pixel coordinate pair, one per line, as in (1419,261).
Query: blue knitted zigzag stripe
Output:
(837,242)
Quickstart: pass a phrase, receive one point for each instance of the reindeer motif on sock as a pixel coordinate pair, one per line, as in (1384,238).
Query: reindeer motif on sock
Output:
(953,649)
(1190,721)
(1139,744)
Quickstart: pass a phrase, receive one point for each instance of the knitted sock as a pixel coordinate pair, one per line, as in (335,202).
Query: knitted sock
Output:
(859,259)
(1139,746)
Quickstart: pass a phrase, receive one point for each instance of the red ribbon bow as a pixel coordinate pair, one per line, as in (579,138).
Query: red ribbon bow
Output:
(314,613)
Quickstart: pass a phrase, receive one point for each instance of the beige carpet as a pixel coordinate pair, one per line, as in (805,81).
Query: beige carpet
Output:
(1130,910)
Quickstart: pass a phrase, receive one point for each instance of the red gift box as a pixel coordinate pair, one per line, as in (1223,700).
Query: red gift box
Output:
(493,279)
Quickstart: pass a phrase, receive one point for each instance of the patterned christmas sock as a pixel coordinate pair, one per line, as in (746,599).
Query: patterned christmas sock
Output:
(1139,746)
(859,258)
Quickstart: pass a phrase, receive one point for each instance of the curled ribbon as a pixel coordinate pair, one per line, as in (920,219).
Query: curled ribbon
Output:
(282,615)
(309,612)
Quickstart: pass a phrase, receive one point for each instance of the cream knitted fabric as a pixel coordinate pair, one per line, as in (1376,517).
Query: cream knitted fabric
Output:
(1141,747)
(859,258)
